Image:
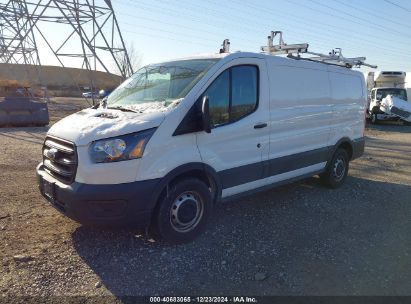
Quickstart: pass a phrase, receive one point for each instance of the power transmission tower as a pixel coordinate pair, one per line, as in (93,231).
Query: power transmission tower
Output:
(89,32)
(17,41)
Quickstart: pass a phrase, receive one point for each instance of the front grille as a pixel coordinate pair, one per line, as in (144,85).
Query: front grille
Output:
(399,112)
(60,159)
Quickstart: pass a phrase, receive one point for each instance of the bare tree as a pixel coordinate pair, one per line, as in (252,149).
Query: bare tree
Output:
(133,55)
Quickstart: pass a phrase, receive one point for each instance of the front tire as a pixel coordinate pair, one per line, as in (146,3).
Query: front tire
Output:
(183,213)
(337,170)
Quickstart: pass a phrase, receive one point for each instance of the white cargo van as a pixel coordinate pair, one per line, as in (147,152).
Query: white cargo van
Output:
(180,136)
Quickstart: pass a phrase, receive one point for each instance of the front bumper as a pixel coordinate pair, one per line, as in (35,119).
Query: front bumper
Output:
(118,204)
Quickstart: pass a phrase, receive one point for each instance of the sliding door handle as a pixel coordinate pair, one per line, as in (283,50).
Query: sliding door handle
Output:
(260,125)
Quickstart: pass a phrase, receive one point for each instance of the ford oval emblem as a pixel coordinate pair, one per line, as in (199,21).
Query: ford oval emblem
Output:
(52,153)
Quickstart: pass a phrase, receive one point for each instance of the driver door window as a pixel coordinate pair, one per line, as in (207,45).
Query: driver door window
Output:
(233,94)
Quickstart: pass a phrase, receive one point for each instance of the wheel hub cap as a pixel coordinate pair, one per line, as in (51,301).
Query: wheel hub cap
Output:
(339,169)
(186,212)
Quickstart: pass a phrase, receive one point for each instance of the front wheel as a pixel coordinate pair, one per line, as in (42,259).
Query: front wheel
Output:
(337,170)
(183,213)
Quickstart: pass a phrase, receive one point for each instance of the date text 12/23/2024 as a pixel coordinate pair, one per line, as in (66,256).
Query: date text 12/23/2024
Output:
(205,299)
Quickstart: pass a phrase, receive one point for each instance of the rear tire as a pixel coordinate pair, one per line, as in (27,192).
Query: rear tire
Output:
(183,213)
(337,170)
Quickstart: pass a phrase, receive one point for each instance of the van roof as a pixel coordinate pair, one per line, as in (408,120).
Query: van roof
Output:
(197,56)
(387,88)
(280,59)
(219,56)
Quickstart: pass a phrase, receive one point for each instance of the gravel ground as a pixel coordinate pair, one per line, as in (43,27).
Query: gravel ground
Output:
(299,239)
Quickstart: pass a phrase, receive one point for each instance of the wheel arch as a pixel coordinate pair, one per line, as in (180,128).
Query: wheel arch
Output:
(197,170)
(347,144)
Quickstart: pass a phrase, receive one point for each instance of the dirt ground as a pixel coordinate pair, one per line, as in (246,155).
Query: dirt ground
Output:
(299,239)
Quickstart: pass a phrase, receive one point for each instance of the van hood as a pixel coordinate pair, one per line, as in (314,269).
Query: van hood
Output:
(92,124)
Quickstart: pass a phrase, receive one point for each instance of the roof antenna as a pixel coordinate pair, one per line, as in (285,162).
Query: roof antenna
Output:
(225,46)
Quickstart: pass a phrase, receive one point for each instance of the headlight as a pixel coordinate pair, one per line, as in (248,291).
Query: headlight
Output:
(119,148)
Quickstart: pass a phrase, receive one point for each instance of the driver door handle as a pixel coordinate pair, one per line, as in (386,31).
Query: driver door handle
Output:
(260,125)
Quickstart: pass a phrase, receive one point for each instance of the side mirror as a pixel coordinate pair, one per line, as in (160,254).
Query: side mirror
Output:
(205,115)
(102,93)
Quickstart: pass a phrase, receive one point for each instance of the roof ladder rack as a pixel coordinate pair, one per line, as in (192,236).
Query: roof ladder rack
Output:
(282,48)
(336,57)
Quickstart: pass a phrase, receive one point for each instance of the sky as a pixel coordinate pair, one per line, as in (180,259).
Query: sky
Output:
(164,29)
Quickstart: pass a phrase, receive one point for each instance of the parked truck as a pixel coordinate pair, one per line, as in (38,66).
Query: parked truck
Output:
(387,99)
(21,106)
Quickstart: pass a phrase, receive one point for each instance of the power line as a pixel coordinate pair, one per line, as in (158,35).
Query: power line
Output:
(328,26)
(362,39)
(299,4)
(371,43)
(176,13)
(244,20)
(164,37)
(397,5)
(371,14)
(384,28)
(380,62)
(170,32)
(169,12)
(179,26)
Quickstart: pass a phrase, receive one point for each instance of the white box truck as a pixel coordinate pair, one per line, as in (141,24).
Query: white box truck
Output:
(180,136)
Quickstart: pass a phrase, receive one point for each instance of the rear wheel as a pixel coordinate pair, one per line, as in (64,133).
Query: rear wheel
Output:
(337,169)
(182,214)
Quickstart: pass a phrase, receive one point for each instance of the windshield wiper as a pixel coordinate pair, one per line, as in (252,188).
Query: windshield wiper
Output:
(121,108)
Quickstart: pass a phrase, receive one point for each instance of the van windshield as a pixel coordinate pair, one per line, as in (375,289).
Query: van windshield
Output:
(400,93)
(164,82)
